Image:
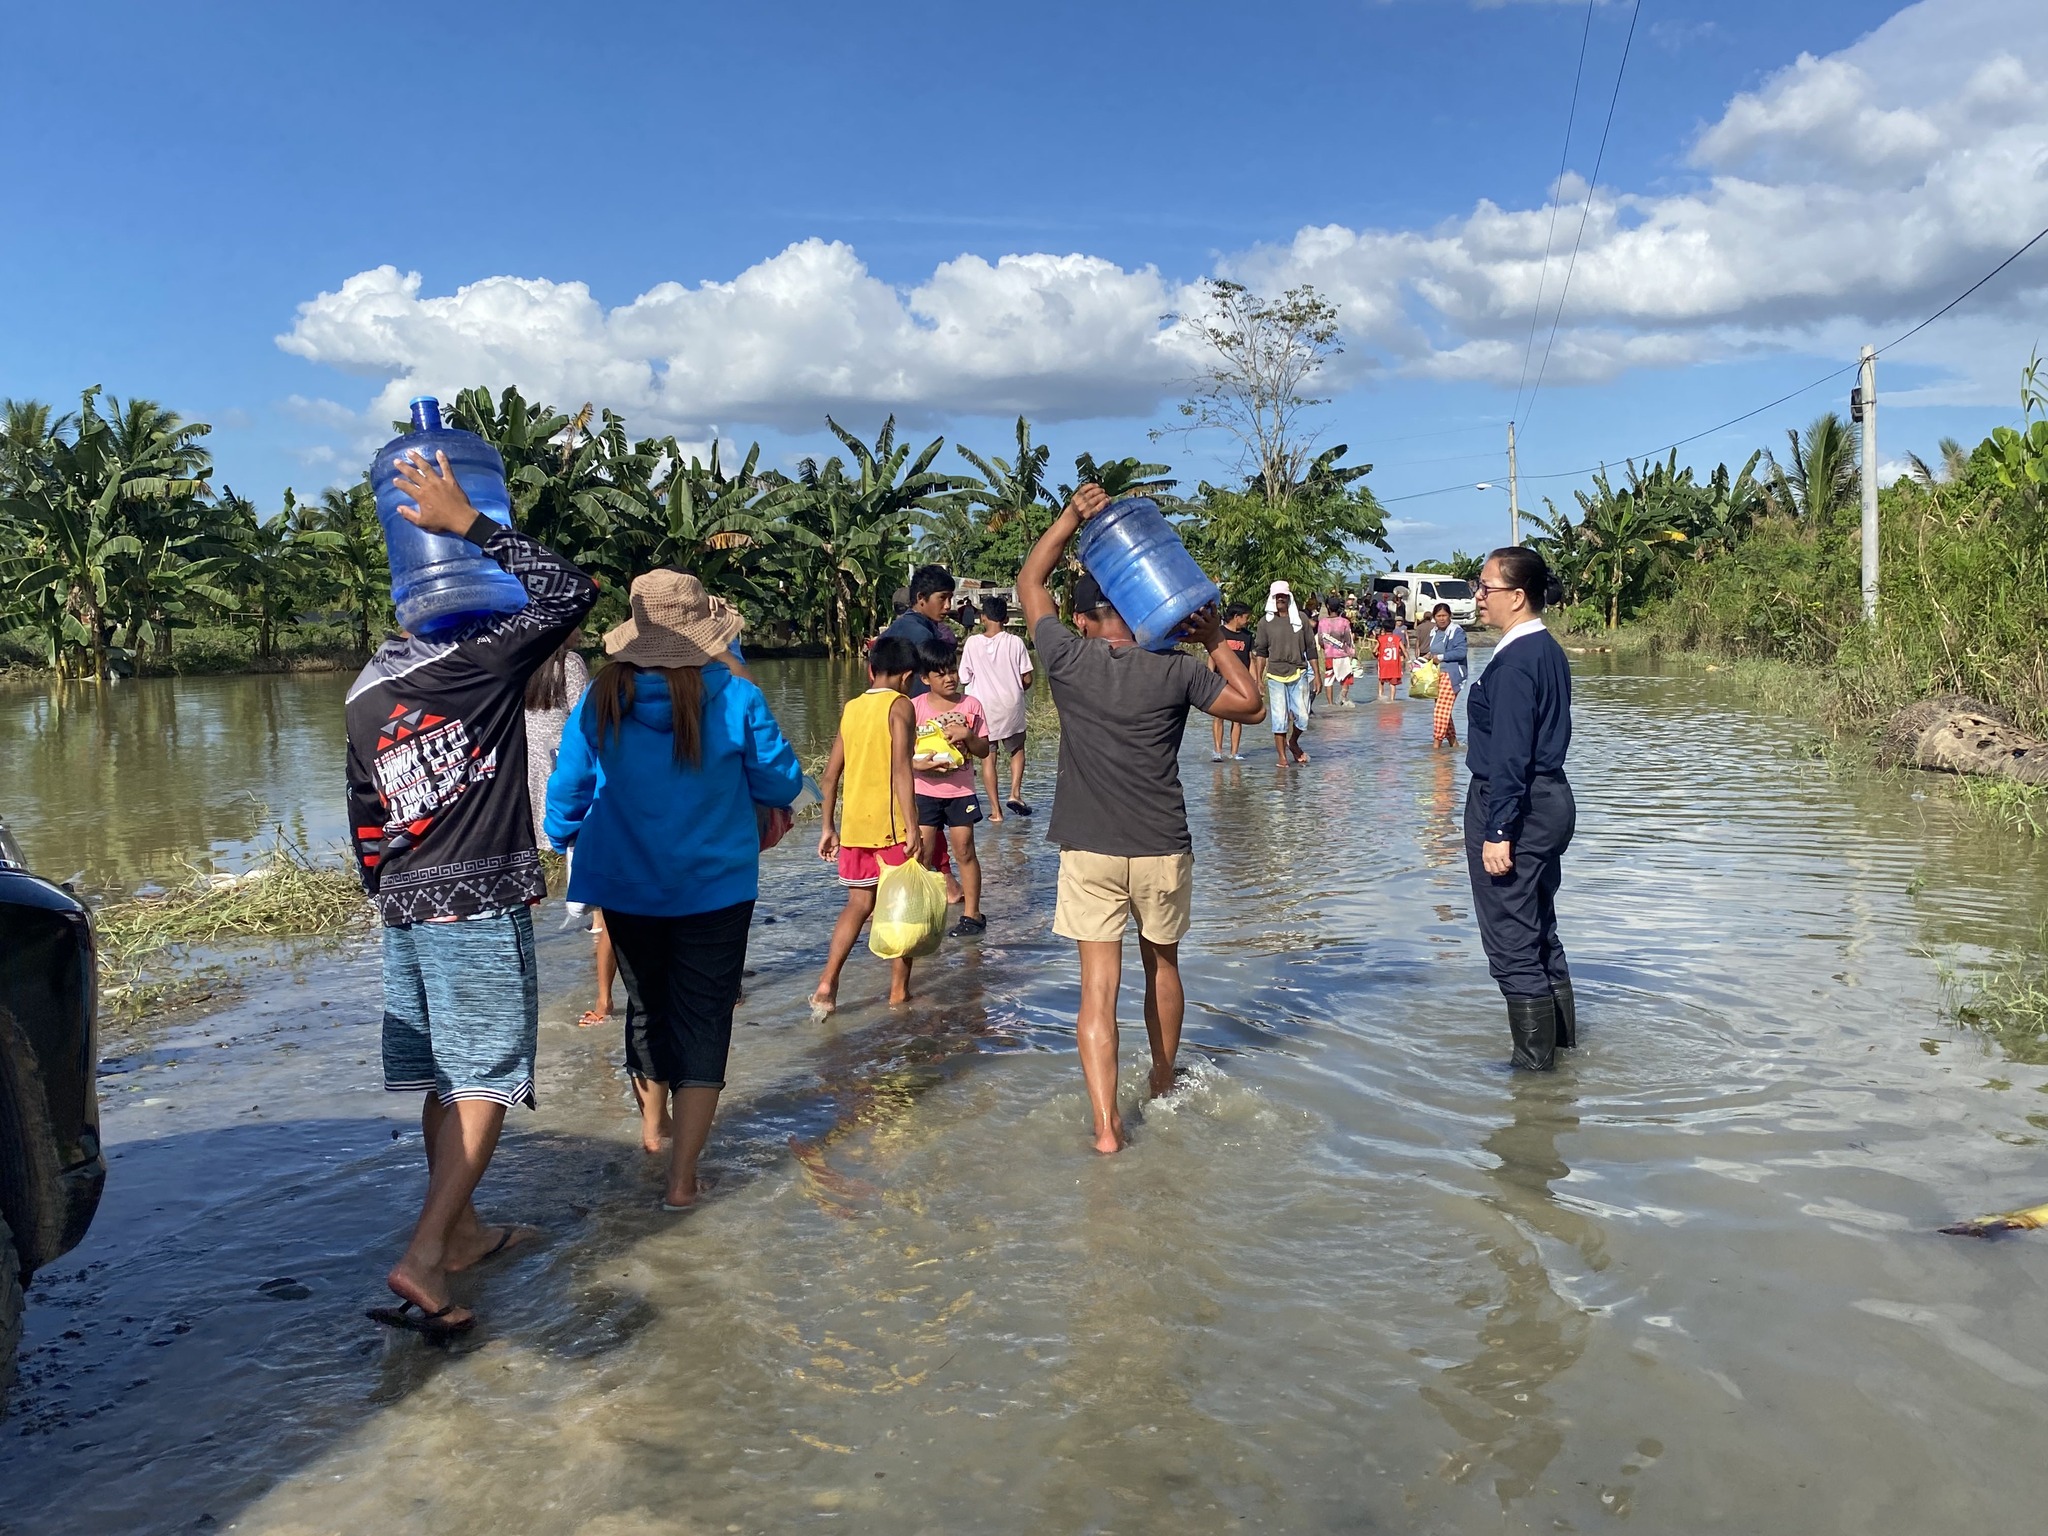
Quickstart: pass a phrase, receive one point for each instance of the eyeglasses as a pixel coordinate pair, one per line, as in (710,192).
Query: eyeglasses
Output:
(1480,589)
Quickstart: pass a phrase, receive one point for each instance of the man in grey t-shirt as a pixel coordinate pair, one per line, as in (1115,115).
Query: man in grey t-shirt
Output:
(1118,815)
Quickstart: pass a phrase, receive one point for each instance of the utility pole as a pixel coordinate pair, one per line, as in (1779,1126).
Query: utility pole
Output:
(1863,407)
(1514,502)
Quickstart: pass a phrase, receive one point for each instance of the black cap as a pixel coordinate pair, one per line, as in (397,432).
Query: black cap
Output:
(1088,595)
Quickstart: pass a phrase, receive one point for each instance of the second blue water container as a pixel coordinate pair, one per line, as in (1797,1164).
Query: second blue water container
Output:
(1144,570)
(440,582)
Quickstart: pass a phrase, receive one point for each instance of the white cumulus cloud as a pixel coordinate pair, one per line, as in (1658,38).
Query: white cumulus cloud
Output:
(804,332)
(1842,196)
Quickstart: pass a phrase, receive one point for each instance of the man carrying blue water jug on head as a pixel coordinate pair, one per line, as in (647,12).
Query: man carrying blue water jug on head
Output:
(1118,815)
(443,837)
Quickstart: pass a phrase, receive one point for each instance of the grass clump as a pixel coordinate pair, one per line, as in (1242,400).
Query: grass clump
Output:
(2017,807)
(2009,1009)
(147,943)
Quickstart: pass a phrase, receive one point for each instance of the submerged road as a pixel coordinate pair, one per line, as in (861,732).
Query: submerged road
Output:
(1356,1276)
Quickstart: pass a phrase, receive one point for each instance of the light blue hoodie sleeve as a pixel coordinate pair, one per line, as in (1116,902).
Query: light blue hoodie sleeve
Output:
(774,776)
(573,784)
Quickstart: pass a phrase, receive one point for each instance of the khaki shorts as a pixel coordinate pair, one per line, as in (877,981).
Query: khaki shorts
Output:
(1098,891)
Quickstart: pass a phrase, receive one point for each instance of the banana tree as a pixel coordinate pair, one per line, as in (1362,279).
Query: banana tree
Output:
(1121,477)
(719,526)
(1004,511)
(860,521)
(353,571)
(1626,533)
(275,564)
(71,510)
(1565,549)
(1723,515)
(571,486)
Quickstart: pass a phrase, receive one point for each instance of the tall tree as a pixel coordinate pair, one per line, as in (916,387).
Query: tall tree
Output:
(1259,359)
(1309,536)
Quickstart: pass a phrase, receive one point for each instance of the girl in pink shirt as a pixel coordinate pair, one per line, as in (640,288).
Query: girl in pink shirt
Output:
(947,807)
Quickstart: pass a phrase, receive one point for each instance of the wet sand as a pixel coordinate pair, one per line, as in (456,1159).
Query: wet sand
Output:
(1354,1276)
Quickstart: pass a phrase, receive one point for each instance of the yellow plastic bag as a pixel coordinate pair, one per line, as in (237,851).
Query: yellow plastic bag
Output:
(910,912)
(931,746)
(1424,681)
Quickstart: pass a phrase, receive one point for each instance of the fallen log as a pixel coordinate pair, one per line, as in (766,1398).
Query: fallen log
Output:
(1958,734)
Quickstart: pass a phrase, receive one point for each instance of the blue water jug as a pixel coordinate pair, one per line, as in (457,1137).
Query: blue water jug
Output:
(440,582)
(1144,570)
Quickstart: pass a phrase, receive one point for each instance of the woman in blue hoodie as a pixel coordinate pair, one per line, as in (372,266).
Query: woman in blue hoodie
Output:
(661,768)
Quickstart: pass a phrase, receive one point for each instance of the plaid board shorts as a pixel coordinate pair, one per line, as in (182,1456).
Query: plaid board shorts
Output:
(462,1008)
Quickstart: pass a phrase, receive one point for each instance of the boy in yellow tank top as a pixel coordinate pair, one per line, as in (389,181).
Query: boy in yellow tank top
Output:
(877,818)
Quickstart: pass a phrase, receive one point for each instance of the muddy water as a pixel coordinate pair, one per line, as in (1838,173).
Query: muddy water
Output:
(1354,1277)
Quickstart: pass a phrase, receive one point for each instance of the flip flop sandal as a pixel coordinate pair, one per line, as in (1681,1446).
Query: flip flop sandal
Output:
(1019,807)
(415,1318)
(967,928)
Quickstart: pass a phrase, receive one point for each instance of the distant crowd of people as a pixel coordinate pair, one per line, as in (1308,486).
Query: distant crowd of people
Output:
(666,776)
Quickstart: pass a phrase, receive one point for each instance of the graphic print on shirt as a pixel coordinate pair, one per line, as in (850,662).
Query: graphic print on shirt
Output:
(423,763)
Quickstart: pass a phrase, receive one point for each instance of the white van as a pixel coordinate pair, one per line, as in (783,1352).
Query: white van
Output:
(1426,590)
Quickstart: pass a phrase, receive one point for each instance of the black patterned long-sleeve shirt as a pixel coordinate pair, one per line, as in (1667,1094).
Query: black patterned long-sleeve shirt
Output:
(438,809)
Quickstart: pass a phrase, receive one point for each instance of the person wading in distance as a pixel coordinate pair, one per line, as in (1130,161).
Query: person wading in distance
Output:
(1519,811)
(1447,644)
(1237,637)
(1288,664)
(996,669)
(1118,816)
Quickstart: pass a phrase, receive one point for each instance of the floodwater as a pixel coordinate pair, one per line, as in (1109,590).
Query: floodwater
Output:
(1354,1277)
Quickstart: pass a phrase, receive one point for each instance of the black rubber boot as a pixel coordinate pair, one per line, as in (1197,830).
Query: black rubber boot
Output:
(1533,1023)
(1567,1015)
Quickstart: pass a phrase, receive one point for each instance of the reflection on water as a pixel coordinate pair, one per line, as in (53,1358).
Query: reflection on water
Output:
(1353,1276)
(135,782)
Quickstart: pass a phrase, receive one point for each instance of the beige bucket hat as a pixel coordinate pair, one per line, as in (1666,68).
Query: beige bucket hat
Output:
(675,623)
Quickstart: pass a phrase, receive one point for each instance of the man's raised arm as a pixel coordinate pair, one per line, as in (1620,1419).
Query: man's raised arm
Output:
(1032,591)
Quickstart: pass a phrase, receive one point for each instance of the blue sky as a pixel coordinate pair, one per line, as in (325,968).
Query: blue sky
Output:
(962,211)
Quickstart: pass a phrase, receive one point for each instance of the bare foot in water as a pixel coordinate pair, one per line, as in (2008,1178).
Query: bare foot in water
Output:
(657,1126)
(824,1003)
(1299,755)
(699,1188)
(489,1243)
(1111,1141)
(1166,1078)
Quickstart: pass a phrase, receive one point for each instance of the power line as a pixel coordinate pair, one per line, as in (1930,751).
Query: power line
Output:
(1593,186)
(1710,431)
(1952,303)
(1415,437)
(1556,199)
(1663,449)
